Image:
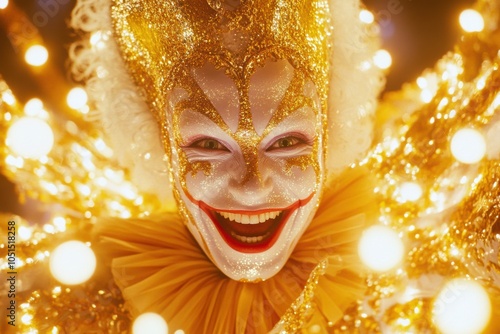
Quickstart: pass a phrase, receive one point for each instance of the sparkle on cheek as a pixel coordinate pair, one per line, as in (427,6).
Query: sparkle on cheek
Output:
(305,161)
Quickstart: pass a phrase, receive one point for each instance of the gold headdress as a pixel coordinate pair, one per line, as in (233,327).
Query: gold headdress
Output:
(156,41)
(162,40)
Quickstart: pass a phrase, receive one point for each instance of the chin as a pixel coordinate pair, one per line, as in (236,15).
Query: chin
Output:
(251,245)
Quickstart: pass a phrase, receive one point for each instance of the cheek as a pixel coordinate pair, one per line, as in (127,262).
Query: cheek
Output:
(177,159)
(212,180)
(202,185)
(300,176)
(294,182)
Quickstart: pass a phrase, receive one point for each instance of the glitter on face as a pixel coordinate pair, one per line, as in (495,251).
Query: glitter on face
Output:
(241,102)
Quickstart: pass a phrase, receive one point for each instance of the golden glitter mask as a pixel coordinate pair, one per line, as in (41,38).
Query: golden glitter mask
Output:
(161,41)
(246,136)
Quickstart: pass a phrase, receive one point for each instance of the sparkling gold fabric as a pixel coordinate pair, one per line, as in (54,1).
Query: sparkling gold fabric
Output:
(162,41)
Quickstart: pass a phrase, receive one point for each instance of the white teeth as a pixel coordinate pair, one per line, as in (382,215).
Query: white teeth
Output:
(250,219)
(249,240)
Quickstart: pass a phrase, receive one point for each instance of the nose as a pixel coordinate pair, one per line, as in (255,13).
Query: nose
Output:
(251,184)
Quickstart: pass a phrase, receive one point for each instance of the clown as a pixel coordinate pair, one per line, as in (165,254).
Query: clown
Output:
(241,125)
(247,112)
(249,122)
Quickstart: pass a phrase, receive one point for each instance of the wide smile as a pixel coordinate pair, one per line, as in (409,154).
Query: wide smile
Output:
(251,231)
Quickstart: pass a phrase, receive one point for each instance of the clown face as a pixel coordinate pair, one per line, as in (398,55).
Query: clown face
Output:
(247,163)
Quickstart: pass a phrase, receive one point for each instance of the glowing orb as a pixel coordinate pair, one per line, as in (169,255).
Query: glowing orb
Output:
(426,96)
(72,263)
(468,146)
(8,97)
(98,39)
(36,55)
(26,319)
(25,233)
(422,82)
(366,16)
(30,137)
(4,4)
(410,191)
(33,107)
(149,323)
(77,98)
(380,248)
(471,21)
(462,307)
(382,59)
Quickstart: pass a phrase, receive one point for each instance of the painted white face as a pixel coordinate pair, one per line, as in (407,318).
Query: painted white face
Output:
(247,164)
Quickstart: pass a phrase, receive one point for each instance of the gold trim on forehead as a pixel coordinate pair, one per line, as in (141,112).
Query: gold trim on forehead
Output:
(199,102)
(292,101)
(161,40)
(245,135)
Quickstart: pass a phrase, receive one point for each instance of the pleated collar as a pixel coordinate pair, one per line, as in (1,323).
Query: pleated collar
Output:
(160,268)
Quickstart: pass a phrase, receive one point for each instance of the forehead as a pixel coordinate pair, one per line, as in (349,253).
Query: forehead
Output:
(261,92)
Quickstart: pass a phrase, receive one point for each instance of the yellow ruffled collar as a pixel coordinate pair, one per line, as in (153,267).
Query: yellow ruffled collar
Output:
(160,268)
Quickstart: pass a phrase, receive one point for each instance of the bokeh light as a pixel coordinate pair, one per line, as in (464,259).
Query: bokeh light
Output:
(422,82)
(471,21)
(98,39)
(25,233)
(462,307)
(72,263)
(426,96)
(4,4)
(33,107)
(380,248)
(26,318)
(30,137)
(149,323)
(410,191)
(468,146)
(8,98)
(366,16)
(36,55)
(77,98)
(382,59)
(59,223)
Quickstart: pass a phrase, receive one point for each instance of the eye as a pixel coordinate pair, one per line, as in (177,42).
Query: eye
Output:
(286,142)
(209,144)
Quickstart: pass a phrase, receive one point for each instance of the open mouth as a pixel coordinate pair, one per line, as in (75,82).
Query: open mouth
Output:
(251,231)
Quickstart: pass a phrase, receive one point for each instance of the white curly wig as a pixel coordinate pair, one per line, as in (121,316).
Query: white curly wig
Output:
(133,132)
